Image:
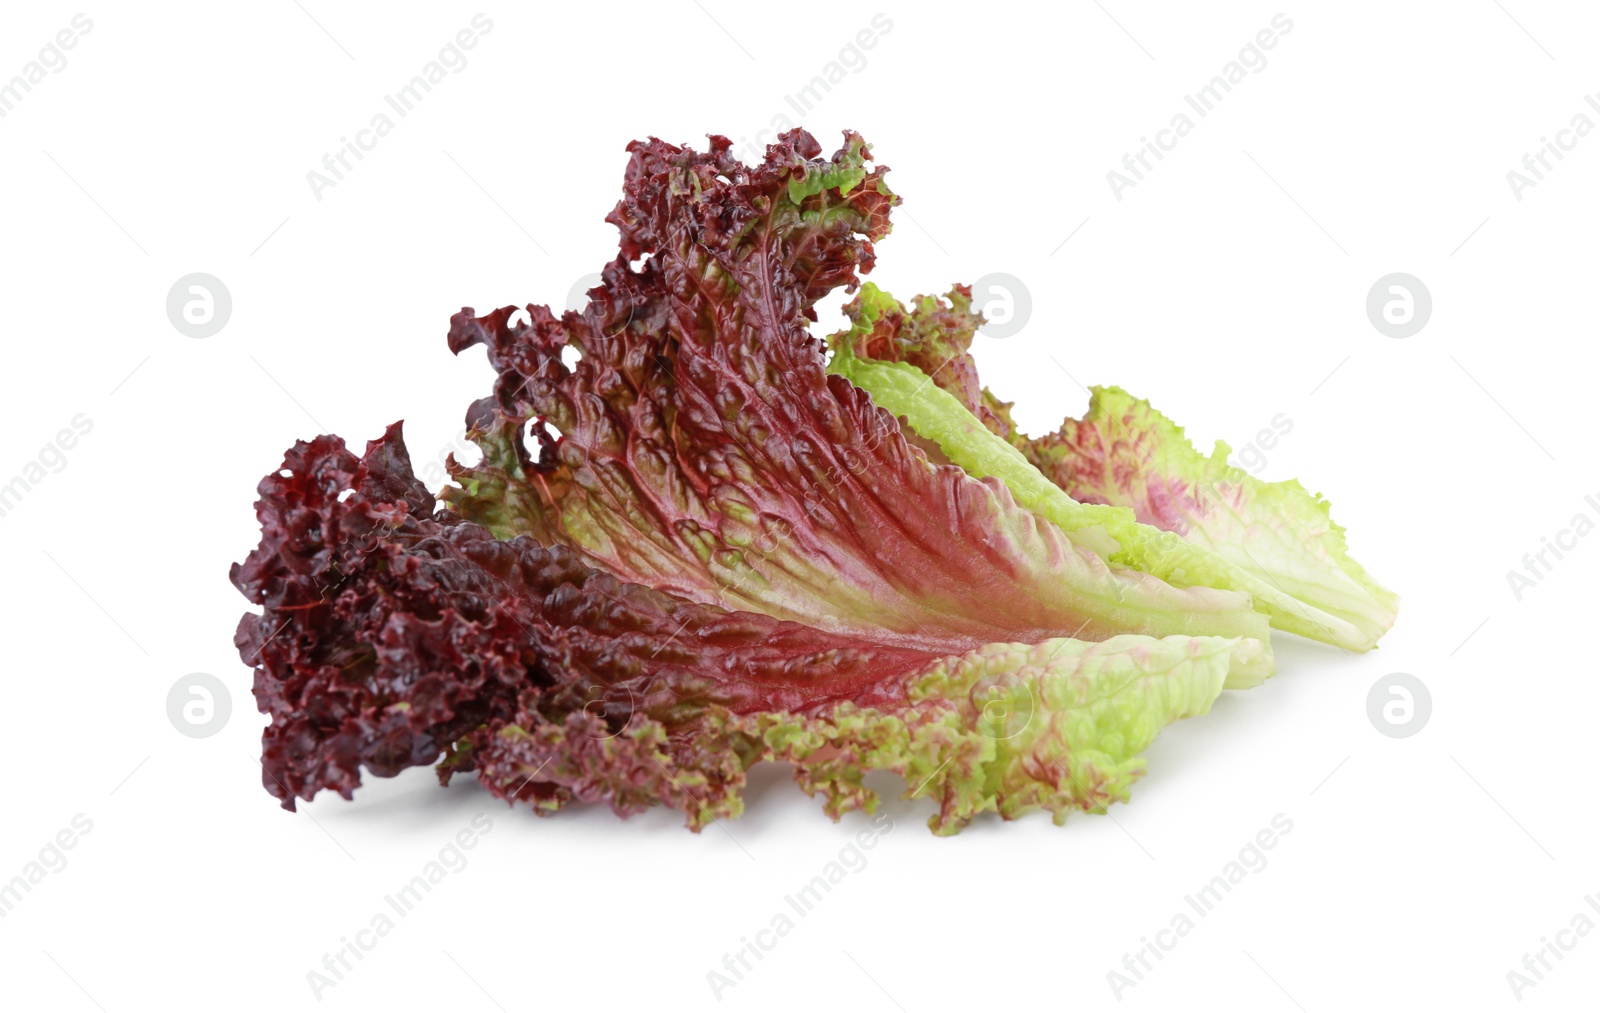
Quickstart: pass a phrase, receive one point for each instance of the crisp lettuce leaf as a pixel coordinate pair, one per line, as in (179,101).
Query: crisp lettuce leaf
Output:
(1123,482)
(389,635)
(690,548)
(703,449)
(1124,452)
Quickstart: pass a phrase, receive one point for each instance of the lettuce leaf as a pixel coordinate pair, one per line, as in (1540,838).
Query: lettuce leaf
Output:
(690,548)
(1126,453)
(390,636)
(1123,481)
(704,450)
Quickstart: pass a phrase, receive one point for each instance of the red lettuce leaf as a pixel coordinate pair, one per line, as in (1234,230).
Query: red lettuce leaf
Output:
(387,634)
(703,449)
(712,554)
(389,637)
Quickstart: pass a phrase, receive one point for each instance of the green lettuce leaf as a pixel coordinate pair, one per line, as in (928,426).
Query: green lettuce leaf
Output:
(1122,483)
(1126,453)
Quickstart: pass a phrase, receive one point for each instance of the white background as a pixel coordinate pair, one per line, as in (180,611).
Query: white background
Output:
(1226,287)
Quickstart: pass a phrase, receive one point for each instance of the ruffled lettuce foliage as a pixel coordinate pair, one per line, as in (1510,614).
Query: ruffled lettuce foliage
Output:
(696,542)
